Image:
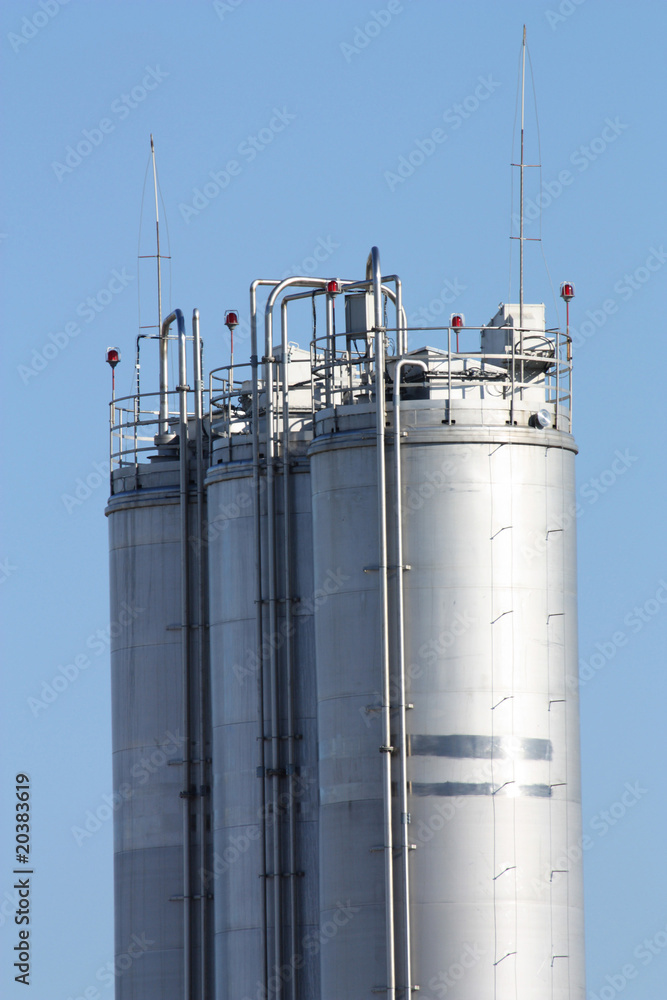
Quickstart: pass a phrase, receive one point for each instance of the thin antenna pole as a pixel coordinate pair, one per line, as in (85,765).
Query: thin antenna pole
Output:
(162,334)
(231,385)
(157,234)
(523,89)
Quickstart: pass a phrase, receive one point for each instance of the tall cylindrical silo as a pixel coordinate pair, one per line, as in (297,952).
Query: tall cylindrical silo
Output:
(159,688)
(488,574)
(265,864)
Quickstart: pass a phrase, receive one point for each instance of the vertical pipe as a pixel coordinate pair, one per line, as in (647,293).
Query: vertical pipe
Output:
(112,420)
(259,590)
(330,353)
(449,374)
(401,321)
(269,361)
(258,615)
(273,652)
(373,272)
(289,665)
(402,738)
(201,662)
(521,168)
(185,643)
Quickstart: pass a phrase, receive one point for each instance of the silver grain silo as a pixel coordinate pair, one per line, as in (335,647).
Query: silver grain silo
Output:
(446,669)
(386,559)
(262,597)
(160,730)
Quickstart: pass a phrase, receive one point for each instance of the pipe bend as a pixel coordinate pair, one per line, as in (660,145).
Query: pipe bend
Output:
(163,436)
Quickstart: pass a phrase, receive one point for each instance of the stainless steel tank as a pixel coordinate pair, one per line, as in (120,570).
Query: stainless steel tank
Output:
(387,579)
(149,741)
(159,688)
(265,862)
(490,642)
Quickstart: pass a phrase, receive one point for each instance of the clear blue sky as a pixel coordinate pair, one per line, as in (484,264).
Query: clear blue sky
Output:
(336,105)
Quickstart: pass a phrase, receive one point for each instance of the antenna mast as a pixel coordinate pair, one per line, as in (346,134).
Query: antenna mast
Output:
(521,165)
(157,233)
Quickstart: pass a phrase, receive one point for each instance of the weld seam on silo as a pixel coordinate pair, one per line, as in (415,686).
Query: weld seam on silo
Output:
(402,736)
(201,671)
(289,665)
(373,272)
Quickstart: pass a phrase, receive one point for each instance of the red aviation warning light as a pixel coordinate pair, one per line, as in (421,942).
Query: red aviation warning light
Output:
(567,294)
(112,358)
(457,321)
(333,287)
(231,319)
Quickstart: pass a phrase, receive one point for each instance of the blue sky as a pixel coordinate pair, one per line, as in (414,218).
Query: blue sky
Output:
(293,121)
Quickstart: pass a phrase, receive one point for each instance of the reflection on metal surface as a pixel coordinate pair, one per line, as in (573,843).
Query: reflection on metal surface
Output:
(487,747)
(509,788)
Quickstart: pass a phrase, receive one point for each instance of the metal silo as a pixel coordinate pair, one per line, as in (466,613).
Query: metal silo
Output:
(386,561)
(446,664)
(160,730)
(262,598)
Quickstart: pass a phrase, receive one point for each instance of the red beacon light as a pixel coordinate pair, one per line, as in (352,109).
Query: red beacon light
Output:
(231,319)
(333,287)
(567,291)
(457,322)
(112,356)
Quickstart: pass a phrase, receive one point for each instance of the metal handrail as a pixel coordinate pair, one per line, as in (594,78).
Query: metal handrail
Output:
(514,369)
(126,422)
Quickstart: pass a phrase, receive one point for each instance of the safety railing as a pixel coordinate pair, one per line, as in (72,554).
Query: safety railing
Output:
(134,424)
(344,365)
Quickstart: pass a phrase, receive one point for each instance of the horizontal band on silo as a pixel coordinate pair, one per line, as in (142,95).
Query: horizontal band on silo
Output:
(510,789)
(484,747)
